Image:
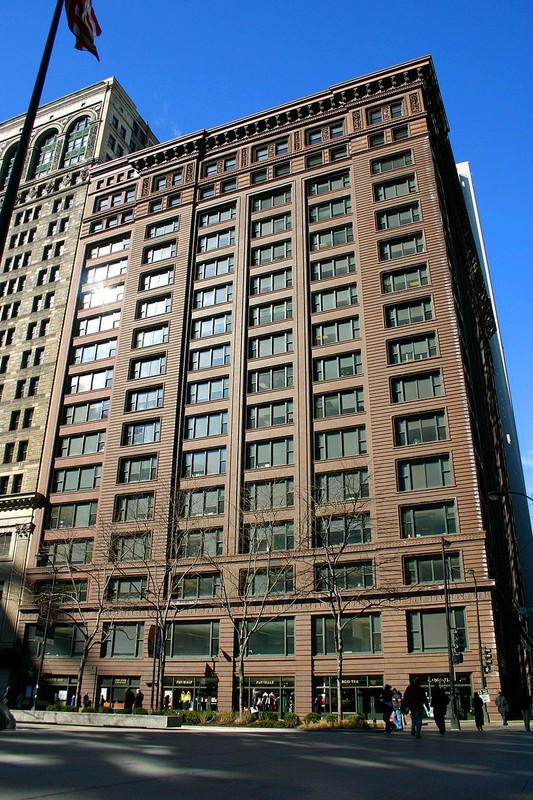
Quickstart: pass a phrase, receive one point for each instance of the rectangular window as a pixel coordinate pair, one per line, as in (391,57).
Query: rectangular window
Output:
(428,520)
(417,349)
(419,428)
(268,379)
(332,267)
(216,215)
(344,577)
(346,365)
(199,543)
(125,589)
(327,300)
(206,425)
(122,640)
(104,271)
(342,531)
(204,462)
(267,582)
(147,367)
(193,640)
(424,473)
(144,432)
(133,507)
(429,569)
(156,279)
(331,237)
(388,163)
(421,386)
(84,444)
(213,241)
(328,183)
(204,298)
(162,228)
(211,326)
(67,642)
(95,352)
(135,470)
(91,381)
(406,278)
(146,337)
(427,630)
(103,322)
(264,495)
(278,224)
(210,269)
(337,404)
(203,502)
(5,544)
(272,252)
(86,412)
(196,585)
(210,357)
(340,444)
(144,399)
(72,515)
(361,634)
(204,391)
(409,313)
(130,548)
(154,307)
(273,199)
(330,210)
(267,537)
(102,297)
(262,346)
(271,282)
(333,332)
(398,248)
(76,551)
(274,638)
(396,217)
(153,254)
(76,479)
(273,453)
(397,188)
(270,414)
(338,487)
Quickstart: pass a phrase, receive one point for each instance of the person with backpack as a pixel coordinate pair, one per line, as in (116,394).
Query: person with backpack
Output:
(414,702)
(385,702)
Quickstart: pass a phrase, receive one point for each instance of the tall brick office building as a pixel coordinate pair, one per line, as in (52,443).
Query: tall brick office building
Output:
(275,350)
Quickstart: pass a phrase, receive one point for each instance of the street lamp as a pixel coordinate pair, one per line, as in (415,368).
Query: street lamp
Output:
(481,670)
(454,719)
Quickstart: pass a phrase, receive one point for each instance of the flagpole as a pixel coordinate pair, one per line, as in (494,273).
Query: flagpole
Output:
(10,196)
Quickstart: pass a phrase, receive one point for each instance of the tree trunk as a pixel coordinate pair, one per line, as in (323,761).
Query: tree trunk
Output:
(339,644)
(81,670)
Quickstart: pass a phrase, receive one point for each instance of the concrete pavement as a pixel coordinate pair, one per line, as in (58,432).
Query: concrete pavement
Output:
(49,763)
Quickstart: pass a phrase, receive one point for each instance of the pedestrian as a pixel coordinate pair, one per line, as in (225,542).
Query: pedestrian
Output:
(479,711)
(385,700)
(397,715)
(502,705)
(86,701)
(9,697)
(139,697)
(166,703)
(439,703)
(523,700)
(414,701)
(129,700)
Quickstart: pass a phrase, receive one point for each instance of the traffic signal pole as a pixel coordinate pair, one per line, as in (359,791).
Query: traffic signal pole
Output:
(454,718)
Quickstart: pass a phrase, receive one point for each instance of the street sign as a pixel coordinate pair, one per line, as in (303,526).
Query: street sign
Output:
(525,610)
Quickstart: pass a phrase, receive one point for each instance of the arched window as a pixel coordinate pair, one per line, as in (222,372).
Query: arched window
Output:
(43,157)
(7,166)
(76,142)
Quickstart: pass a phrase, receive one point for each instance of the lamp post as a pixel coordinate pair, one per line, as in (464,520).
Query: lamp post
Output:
(454,719)
(481,670)
(45,636)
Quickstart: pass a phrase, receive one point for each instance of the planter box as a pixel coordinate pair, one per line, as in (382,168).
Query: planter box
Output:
(96,720)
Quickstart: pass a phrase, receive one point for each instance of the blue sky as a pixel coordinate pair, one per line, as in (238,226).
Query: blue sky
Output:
(190,66)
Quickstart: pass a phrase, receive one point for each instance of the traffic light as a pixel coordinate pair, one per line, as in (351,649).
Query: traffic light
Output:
(458,646)
(488,659)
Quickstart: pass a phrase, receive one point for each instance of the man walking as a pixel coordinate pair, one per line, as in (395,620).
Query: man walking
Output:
(523,700)
(414,700)
(503,706)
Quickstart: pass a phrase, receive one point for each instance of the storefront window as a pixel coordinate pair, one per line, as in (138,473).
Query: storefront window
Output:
(358,695)
(275,695)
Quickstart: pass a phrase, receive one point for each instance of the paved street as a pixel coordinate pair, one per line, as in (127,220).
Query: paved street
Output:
(87,764)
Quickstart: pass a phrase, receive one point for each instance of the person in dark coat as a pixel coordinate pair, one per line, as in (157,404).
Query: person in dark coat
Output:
(385,699)
(139,698)
(414,701)
(129,700)
(478,709)
(439,703)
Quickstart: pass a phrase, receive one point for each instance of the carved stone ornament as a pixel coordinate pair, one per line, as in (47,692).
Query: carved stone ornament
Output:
(244,158)
(357,121)
(89,150)
(189,172)
(145,187)
(414,102)
(297,140)
(49,187)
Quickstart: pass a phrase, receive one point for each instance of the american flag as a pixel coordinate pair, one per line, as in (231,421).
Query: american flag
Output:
(83,24)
